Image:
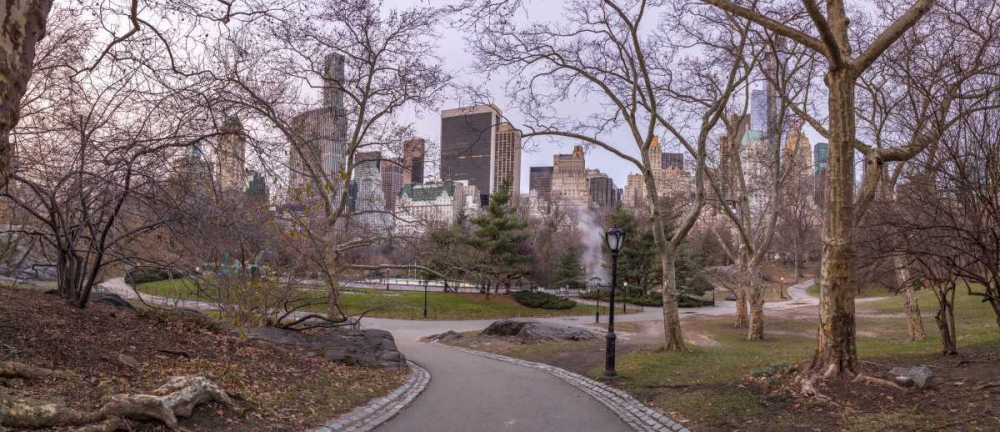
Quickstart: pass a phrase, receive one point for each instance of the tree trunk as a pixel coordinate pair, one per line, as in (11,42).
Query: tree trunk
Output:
(914,322)
(671,315)
(23,26)
(742,288)
(836,347)
(756,293)
(945,319)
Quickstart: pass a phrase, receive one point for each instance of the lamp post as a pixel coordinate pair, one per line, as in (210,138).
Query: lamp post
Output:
(614,238)
(625,293)
(425,281)
(597,311)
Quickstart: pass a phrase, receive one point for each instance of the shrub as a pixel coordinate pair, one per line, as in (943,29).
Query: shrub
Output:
(649,299)
(136,276)
(539,300)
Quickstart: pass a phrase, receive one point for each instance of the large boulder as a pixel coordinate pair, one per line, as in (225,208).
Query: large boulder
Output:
(366,347)
(918,375)
(113,300)
(537,331)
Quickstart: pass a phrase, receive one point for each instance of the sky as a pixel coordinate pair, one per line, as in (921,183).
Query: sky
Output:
(452,50)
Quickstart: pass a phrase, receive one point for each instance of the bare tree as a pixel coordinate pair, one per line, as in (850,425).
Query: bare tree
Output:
(607,51)
(87,156)
(827,32)
(370,63)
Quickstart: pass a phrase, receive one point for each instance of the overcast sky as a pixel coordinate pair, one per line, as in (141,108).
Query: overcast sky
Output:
(458,61)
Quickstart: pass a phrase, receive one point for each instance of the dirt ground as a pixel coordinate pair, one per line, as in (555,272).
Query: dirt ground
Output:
(281,389)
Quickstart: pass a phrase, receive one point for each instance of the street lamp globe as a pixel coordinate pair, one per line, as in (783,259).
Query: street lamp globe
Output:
(615,237)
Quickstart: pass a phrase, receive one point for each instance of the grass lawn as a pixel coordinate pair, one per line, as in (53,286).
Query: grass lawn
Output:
(708,386)
(395,304)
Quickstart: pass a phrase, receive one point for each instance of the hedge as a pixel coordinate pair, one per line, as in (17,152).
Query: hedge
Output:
(539,300)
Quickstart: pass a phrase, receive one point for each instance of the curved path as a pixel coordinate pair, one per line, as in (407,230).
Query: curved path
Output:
(469,392)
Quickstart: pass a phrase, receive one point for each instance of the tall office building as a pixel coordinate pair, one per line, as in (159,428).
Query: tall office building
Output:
(257,190)
(413,161)
(540,181)
(369,201)
(821,152)
(673,161)
(507,161)
(634,195)
(468,141)
(798,152)
(392,181)
(569,179)
(322,133)
(603,193)
(230,157)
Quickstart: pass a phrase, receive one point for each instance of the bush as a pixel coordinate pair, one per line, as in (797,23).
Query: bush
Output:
(138,276)
(649,299)
(689,302)
(539,300)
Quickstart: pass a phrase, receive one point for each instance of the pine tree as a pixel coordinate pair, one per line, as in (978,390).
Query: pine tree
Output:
(568,271)
(502,236)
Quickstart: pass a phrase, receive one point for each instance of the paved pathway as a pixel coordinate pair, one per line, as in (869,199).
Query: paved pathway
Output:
(469,392)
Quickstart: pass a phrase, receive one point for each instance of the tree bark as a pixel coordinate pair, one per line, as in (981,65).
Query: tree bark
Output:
(945,319)
(742,318)
(671,315)
(23,26)
(836,347)
(755,330)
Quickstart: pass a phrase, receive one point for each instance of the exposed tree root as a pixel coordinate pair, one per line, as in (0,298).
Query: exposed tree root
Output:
(987,385)
(875,381)
(176,398)
(21,370)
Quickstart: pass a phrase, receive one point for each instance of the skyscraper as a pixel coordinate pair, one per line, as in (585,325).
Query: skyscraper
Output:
(569,179)
(507,161)
(413,161)
(322,132)
(392,181)
(540,181)
(230,157)
(797,149)
(820,156)
(758,110)
(603,193)
(467,144)
(673,161)
(257,190)
(369,200)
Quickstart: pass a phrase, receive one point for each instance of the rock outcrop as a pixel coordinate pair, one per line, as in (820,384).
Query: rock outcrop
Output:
(537,331)
(366,347)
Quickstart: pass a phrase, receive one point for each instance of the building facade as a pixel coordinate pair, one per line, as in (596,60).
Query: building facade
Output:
(369,199)
(392,181)
(468,140)
(230,157)
(821,154)
(507,161)
(318,151)
(569,179)
(603,193)
(413,161)
(423,207)
(540,182)
(672,161)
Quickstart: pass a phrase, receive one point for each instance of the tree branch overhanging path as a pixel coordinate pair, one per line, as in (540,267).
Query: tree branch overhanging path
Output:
(625,55)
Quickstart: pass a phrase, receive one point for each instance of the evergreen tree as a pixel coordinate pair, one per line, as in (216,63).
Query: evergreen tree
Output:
(638,261)
(568,271)
(501,235)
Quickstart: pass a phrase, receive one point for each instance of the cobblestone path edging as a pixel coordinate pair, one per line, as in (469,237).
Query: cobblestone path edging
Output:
(371,415)
(636,414)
